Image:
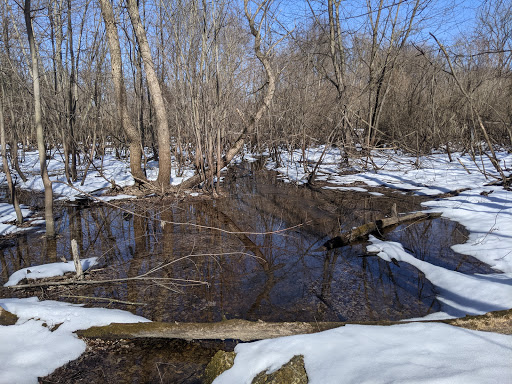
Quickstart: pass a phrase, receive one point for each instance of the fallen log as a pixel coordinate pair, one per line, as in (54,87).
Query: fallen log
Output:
(236,329)
(376,226)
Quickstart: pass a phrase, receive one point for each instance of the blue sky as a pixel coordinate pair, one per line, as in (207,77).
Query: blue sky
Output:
(447,19)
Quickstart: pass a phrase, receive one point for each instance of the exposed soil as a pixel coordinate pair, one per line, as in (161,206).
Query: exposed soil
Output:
(139,361)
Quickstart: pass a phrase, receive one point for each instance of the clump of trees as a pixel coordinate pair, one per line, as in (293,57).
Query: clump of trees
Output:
(196,81)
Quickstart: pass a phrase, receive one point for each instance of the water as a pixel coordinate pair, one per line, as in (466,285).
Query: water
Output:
(252,254)
(233,257)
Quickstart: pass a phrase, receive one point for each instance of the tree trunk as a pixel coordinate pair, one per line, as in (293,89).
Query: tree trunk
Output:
(132,134)
(236,329)
(72,100)
(10,184)
(374,226)
(48,192)
(162,125)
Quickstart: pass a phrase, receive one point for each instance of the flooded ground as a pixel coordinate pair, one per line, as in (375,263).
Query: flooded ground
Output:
(252,254)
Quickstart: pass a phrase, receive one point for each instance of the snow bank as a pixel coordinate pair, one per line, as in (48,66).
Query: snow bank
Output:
(98,176)
(31,349)
(409,353)
(459,294)
(425,175)
(48,270)
(72,317)
(489,221)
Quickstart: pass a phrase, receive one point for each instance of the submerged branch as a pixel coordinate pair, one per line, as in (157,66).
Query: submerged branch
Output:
(166,282)
(110,300)
(160,280)
(375,226)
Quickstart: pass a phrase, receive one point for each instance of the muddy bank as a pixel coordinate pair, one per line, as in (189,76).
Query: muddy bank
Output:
(139,361)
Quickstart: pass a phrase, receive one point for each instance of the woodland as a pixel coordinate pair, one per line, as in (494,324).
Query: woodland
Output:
(194,83)
(250,127)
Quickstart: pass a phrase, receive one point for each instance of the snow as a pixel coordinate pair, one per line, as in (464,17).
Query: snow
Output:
(408,353)
(427,175)
(355,189)
(404,353)
(459,294)
(97,180)
(8,218)
(32,348)
(48,270)
(72,317)
(489,221)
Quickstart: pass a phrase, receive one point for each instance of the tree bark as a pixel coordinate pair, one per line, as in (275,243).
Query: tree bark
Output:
(131,132)
(229,329)
(72,101)
(48,192)
(236,329)
(162,125)
(378,225)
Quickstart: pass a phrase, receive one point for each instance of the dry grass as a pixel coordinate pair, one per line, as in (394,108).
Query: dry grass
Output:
(499,322)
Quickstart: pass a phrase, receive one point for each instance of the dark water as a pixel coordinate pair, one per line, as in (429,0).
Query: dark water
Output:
(232,257)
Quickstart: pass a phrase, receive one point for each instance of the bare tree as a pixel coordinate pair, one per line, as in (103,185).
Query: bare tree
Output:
(162,125)
(132,134)
(48,192)
(10,184)
(256,20)
(395,29)
(494,160)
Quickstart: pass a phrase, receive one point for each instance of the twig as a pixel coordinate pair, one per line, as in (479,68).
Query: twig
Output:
(103,299)
(467,170)
(108,281)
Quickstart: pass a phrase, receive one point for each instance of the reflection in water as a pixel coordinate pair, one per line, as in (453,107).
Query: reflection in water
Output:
(249,268)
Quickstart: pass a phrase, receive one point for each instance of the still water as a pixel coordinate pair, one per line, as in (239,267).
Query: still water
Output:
(252,254)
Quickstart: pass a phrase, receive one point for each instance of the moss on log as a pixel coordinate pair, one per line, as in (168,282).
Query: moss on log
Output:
(220,362)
